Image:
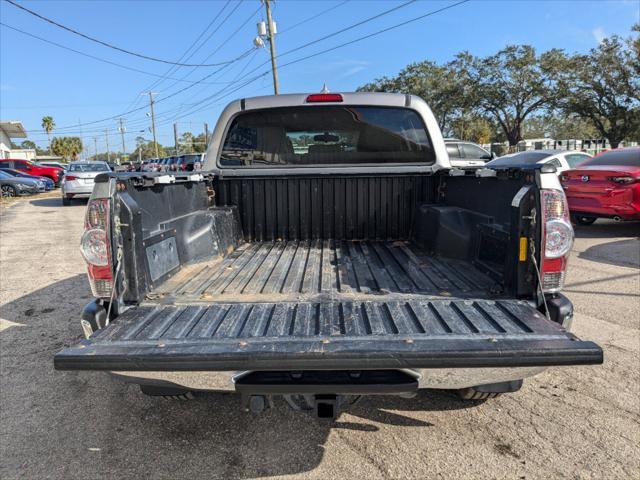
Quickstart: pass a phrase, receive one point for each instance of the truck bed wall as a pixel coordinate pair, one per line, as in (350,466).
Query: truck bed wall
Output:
(327,207)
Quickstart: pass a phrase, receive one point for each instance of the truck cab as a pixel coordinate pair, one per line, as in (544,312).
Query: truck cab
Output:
(326,250)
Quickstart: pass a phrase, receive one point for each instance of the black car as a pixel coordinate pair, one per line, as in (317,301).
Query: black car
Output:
(11,186)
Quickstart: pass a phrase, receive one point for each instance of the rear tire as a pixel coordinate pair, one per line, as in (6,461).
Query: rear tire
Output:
(491,390)
(168,393)
(582,220)
(473,394)
(8,191)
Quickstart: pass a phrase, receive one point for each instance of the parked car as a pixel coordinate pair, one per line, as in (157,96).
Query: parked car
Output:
(61,165)
(605,186)
(189,162)
(54,173)
(150,165)
(353,265)
(562,160)
(79,181)
(46,182)
(11,186)
(466,154)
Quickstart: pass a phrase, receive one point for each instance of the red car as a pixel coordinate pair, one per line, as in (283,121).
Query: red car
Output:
(54,173)
(605,186)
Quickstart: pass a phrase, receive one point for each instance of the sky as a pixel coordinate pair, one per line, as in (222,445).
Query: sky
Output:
(86,95)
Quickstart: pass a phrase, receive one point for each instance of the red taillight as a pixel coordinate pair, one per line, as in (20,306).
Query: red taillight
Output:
(557,239)
(96,249)
(324,98)
(70,177)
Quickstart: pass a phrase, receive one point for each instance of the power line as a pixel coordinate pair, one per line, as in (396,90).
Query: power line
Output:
(224,42)
(350,27)
(161,100)
(379,32)
(96,58)
(114,47)
(175,68)
(342,30)
(202,107)
(313,17)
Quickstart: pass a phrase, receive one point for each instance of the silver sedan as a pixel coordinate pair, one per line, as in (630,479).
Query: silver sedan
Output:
(79,180)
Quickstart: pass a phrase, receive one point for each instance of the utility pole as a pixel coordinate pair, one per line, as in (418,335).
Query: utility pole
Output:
(153,122)
(122,130)
(272,46)
(175,136)
(95,148)
(206,136)
(106,136)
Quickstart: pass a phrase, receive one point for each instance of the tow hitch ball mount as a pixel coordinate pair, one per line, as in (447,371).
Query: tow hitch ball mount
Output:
(323,405)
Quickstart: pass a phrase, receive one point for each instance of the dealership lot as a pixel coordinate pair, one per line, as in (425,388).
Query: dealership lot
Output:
(580,422)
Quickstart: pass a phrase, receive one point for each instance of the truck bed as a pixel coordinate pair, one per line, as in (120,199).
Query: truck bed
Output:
(325,271)
(328,304)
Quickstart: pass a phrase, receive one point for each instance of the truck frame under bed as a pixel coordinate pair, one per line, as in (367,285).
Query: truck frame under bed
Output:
(328,304)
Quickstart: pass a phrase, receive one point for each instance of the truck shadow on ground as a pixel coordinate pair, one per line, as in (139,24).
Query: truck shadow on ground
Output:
(276,442)
(604,228)
(149,436)
(56,202)
(621,253)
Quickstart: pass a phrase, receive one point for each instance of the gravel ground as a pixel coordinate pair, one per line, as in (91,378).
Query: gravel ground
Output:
(580,422)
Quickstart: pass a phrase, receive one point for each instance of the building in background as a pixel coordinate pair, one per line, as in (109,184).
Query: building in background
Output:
(9,130)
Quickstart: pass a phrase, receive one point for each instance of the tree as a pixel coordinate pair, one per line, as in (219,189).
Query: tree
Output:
(473,128)
(185,143)
(438,85)
(603,87)
(29,145)
(511,85)
(67,147)
(146,149)
(48,124)
(190,143)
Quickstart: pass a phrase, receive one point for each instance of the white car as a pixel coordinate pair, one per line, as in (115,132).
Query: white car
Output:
(463,154)
(561,159)
(79,180)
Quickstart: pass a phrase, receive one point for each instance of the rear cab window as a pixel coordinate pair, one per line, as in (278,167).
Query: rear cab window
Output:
(327,135)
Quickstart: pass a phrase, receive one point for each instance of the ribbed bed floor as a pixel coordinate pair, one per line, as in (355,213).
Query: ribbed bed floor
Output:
(325,270)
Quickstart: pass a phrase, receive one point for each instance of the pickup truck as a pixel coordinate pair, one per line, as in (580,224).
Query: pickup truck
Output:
(327,250)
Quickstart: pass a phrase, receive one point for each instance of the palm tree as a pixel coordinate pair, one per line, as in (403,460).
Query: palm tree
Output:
(48,125)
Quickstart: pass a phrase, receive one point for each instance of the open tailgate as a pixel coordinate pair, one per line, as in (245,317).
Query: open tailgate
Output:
(331,335)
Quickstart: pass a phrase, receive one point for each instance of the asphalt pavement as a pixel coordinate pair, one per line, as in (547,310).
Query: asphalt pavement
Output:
(573,422)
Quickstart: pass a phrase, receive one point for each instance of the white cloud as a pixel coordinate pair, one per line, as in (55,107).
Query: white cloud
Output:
(599,34)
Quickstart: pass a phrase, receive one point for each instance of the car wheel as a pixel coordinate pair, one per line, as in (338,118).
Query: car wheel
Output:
(582,220)
(66,201)
(8,191)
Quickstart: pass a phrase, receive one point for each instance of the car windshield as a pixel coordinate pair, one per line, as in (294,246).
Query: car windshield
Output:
(623,157)
(327,135)
(88,167)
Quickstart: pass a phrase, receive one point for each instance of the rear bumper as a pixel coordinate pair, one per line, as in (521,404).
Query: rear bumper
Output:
(77,189)
(621,203)
(437,378)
